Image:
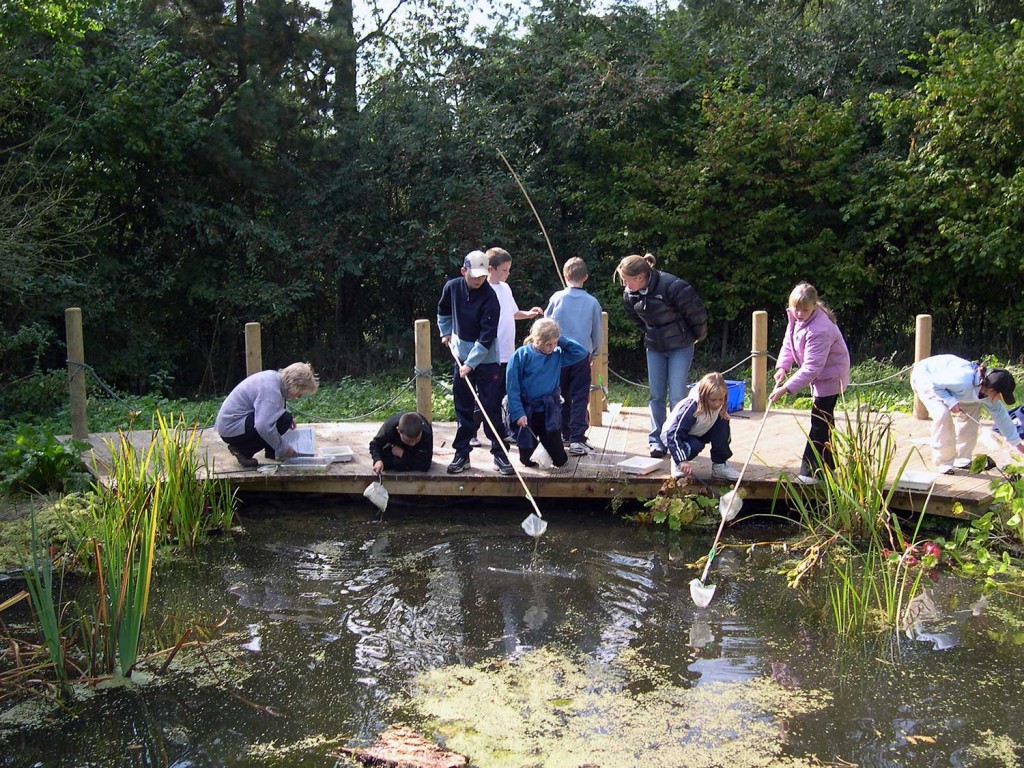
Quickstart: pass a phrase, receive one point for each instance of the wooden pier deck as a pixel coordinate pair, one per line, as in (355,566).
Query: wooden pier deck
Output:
(592,477)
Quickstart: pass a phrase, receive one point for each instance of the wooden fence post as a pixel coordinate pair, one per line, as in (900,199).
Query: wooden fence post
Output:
(423,372)
(922,349)
(599,378)
(253,349)
(759,363)
(76,373)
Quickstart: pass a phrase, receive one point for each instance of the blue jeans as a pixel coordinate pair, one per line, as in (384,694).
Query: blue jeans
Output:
(666,374)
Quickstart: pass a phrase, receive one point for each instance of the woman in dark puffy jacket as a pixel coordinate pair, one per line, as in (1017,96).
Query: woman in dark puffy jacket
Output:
(672,316)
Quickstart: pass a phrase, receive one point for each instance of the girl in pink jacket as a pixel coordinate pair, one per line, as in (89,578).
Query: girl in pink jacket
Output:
(815,346)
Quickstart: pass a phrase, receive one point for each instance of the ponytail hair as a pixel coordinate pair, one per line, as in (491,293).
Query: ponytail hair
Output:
(635,266)
(805,297)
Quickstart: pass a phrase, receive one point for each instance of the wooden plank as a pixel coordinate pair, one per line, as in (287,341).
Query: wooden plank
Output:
(776,454)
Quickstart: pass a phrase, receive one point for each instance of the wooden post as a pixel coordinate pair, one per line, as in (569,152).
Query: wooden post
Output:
(759,363)
(423,373)
(76,373)
(253,349)
(599,378)
(922,349)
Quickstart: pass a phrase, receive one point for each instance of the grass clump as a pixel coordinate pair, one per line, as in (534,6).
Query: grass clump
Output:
(156,498)
(852,535)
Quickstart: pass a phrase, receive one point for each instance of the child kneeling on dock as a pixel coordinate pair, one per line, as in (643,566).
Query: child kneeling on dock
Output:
(532,382)
(404,442)
(700,419)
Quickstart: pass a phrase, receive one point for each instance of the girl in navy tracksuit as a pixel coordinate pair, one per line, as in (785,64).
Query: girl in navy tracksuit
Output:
(700,419)
(531,380)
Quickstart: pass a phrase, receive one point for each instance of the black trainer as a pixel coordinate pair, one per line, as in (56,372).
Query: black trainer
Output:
(459,463)
(657,452)
(503,465)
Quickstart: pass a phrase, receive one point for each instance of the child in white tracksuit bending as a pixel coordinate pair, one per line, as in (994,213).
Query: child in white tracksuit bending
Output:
(949,386)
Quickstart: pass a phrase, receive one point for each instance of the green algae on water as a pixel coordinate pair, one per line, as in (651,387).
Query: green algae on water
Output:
(546,708)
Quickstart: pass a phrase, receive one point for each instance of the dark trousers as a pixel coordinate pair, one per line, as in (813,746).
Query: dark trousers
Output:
(250,442)
(478,417)
(575,386)
(818,452)
(552,441)
(486,379)
(720,435)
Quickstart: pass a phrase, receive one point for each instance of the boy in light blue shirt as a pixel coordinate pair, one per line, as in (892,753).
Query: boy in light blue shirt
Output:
(578,314)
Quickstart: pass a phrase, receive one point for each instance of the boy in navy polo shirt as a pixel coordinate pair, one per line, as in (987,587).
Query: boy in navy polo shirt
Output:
(467,316)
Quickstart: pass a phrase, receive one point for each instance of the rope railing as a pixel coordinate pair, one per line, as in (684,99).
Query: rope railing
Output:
(102,384)
(422,372)
(748,358)
(362,416)
(896,375)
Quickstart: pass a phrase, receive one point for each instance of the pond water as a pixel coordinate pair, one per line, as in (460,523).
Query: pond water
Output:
(586,650)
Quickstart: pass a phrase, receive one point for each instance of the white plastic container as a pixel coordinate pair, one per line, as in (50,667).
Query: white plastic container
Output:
(306,464)
(377,494)
(639,465)
(337,453)
(916,481)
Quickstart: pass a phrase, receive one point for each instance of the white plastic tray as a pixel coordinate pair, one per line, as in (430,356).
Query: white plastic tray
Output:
(916,481)
(639,465)
(306,463)
(337,453)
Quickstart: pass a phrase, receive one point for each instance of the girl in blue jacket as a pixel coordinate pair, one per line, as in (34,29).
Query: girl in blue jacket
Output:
(532,383)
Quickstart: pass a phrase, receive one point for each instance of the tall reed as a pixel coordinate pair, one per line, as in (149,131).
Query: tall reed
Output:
(193,502)
(848,518)
(39,579)
(154,495)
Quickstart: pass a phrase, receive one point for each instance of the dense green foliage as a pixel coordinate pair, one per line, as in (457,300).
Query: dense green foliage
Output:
(179,169)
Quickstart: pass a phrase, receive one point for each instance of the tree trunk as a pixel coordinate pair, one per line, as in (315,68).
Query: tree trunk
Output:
(341,56)
(243,64)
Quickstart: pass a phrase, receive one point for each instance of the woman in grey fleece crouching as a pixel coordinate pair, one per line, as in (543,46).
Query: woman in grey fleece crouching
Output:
(253,417)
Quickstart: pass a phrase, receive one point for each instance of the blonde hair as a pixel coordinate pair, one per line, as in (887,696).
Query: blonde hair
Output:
(635,266)
(299,379)
(711,384)
(805,297)
(575,270)
(543,331)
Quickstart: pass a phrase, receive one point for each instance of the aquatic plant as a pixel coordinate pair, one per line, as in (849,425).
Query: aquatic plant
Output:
(191,505)
(1008,493)
(39,580)
(548,708)
(981,548)
(191,502)
(154,496)
(853,497)
(35,461)
(122,528)
(852,532)
(674,508)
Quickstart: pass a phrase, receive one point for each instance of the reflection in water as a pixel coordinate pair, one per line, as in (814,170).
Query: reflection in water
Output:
(334,618)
